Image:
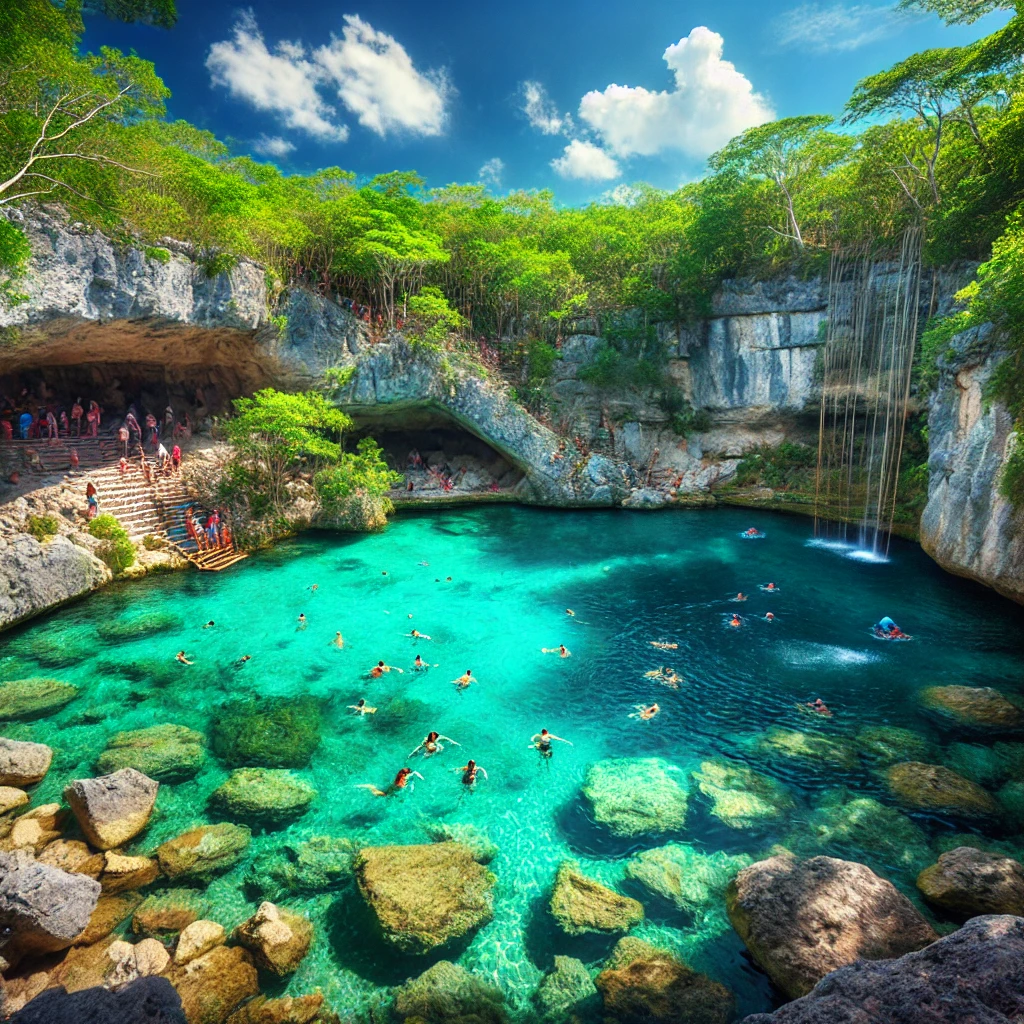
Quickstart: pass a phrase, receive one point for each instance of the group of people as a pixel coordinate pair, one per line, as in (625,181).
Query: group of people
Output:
(209,535)
(30,421)
(443,476)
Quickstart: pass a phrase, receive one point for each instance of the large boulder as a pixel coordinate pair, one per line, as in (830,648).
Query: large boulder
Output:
(121,873)
(11,801)
(686,877)
(889,744)
(164,914)
(149,1000)
(35,829)
(72,855)
(931,787)
(203,852)
(43,909)
(23,763)
(263,796)
(198,938)
(471,836)
(315,865)
(167,753)
(285,1010)
(581,906)
(212,985)
(637,795)
(268,732)
(801,919)
(34,698)
(424,896)
(977,707)
(807,747)
(740,797)
(566,992)
(114,808)
(449,994)
(967,882)
(277,938)
(109,913)
(644,985)
(976,975)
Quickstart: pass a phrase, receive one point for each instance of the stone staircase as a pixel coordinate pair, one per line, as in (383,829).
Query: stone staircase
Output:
(42,457)
(173,503)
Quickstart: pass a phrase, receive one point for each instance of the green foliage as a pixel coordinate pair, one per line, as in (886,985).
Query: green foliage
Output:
(786,466)
(280,322)
(338,377)
(431,309)
(161,13)
(356,475)
(158,253)
(540,362)
(151,542)
(117,551)
(42,527)
(612,371)
(217,263)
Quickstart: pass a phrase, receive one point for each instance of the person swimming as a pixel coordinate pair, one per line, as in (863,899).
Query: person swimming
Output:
(313,587)
(338,641)
(769,617)
(735,622)
(645,712)
(665,675)
(739,597)
(542,741)
(417,635)
(432,745)
(302,621)
(561,650)
(242,660)
(402,780)
(470,770)
(464,680)
(769,588)
(888,630)
(753,531)
(180,656)
(663,645)
(209,625)
(381,667)
(819,706)
(570,612)
(362,708)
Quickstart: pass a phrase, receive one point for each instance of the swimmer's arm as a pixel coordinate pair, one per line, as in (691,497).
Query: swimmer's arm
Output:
(400,671)
(483,771)
(418,776)
(454,743)
(413,753)
(559,738)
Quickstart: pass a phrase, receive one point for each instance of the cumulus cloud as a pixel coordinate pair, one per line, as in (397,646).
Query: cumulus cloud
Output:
(490,173)
(272,145)
(825,28)
(585,162)
(377,82)
(282,82)
(370,71)
(541,112)
(710,103)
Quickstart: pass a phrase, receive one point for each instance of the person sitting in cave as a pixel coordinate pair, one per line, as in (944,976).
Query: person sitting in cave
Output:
(494,487)
(76,416)
(6,429)
(123,465)
(147,471)
(131,424)
(65,426)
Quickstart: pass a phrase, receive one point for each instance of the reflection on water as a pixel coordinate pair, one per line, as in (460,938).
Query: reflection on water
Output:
(492,588)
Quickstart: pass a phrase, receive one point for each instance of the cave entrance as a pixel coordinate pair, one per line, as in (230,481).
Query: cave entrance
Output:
(456,462)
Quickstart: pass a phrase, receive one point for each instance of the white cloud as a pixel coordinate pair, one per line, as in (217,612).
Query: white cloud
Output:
(837,27)
(490,173)
(585,161)
(283,82)
(272,145)
(377,81)
(541,112)
(711,103)
(622,195)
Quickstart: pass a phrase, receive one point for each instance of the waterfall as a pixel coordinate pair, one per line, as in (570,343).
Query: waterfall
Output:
(873,314)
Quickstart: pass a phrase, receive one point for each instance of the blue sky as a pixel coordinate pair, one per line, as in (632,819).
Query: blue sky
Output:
(576,97)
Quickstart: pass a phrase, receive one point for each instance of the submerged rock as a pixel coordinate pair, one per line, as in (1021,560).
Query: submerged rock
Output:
(198,938)
(120,631)
(22,763)
(140,960)
(565,992)
(1011,800)
(644,985)
(930,787)
(316,865)
(35,829)
(272,732)
(637,796)
(212,985)
(277,938)
(980,707)
(448,994)
(286,1010)
(810,747)
(263,796)
(424,896)
(109,913)
(974,974)
(167,753)
(203,852)
(581,906)
(890,744)
(802,919)
(974,762)
(114,808)
(686,877)
(164,914)
(34,698)
(471,836)
(967,882)
(121,873)
(72,855)
(740,797)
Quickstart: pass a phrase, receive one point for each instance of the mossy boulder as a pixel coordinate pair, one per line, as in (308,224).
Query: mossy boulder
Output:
(471,836)
(212,985)
(119,631)
(109,913)
(966,882)
(53,651)
(977,707)
(686,877)
(644,985)
(167,753)
(26,699)
(931,787)
(565,992)
(635,796)
(582,906)
(203,852)
(794,745)
(163,914)
(448,994)
(263,796)
(315,865)
(269,732)
(740,797)
(424,896)
(277,938)
(890,744)
(975,762)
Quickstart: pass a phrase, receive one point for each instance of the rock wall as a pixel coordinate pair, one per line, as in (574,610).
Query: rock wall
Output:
(968,527)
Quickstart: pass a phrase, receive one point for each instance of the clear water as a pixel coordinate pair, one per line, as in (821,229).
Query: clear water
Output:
(631,579)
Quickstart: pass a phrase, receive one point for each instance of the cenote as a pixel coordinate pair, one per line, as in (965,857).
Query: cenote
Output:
(492,588)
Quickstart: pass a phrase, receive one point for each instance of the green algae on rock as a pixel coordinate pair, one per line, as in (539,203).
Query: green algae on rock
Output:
(967,882)
(686,877)
(167,753)
(979,764)
(930,787)
(471,836)
(263,796)
(121,631)
(163,914)
(979,707)
(448,994)
(277,938)
(212,985)
(889,744)
(565,992)
(634,796)
(810,747)
(424,896)
(271,732)
(316,865)
(740,797)
(34,698)
(203,852)
(582,906)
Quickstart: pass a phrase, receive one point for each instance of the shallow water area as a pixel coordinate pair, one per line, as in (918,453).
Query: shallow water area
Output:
(491,588)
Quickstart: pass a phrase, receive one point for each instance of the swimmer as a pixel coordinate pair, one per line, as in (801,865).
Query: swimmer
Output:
(447,579)
(400,783)
(470,770)
(769,588)
(666,676)
(739,597)
(417,635)
(561,650)
(180,656)
(664,646)
(209,625)
(419,665)
(362,708)
(432,745)
(542,742)
(769,617)
(645,713)
(735,622)
(242,660)
(338,641)
(752,532)
(570,612)
(302,621)
(464,680)
(383,572)
(424,563)
(380,668)
(314,587)
(819,706)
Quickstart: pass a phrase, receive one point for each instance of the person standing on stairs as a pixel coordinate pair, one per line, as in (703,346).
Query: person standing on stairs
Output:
(76,415)
(176,459)
(92,501)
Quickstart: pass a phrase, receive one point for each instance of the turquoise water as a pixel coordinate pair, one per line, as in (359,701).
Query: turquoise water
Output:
(630,579)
